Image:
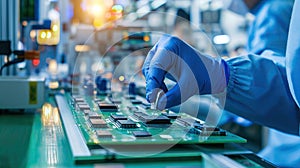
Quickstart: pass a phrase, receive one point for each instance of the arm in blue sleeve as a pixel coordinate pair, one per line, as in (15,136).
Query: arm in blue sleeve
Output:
(270,33)
(258,90)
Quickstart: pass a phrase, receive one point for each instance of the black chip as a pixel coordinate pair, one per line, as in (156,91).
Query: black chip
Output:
(118,117)
(126,124)
(136,102)
(141,133)
(213,133)
(210,128)
(103,134)
(104,107)
(170,115)
(155,119)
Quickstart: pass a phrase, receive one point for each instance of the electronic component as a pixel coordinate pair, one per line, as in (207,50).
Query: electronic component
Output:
(145,105)
(94,115)
(103,134)
(83,107)
(98,123)
(105,107)
(132,108)
(155,119)
(136,101)
(86,112)
(117,117)
(77,99)
(115,100)
(170,115)
(141,133)
(131,97)
(126,124)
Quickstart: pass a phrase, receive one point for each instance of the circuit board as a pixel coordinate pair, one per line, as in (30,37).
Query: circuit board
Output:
(129,120)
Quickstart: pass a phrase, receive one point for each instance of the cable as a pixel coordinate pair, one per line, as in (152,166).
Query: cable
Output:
(15,61)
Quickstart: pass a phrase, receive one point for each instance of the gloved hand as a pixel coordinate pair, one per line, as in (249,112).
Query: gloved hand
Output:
(193,72)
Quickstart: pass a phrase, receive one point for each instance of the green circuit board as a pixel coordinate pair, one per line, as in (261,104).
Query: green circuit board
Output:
(129,120)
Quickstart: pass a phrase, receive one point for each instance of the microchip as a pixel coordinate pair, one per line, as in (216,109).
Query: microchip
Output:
(132,108)
(136,101)
(103,134)
(104,107)
(141,133)
(139,114)
(78,99)
(86,112)
(94,115)
(186,122)
(98,123)
(126,124)
(83,107)
(155,119)
(115,101)
(213,133)
(170,115)
(117,117)
(131,97)
(210,128)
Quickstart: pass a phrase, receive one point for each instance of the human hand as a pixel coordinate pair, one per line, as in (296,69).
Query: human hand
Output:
(193,72)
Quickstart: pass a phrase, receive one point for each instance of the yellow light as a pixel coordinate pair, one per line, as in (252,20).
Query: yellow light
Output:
(55,28)
(46,110)
(24,23)
(146,38)
(32,34)
(56,116)
(49,34)
(82,48)
(43,35)
(98,22)
(121,78)
(96,10)
(53,85)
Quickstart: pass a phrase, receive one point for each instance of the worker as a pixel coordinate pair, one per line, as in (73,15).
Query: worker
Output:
(260,89)
(281,148)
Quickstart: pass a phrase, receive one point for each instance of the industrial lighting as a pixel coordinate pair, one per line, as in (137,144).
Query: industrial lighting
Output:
(53,85)
(221,39)
(121,78)
(55,28)
(43,35)
(32,34)
(82,48)
(49,34)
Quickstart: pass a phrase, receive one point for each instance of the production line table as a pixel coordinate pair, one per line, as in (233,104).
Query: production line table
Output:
(38,139)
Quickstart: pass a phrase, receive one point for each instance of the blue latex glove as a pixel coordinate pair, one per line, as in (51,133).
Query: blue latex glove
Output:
(193,72)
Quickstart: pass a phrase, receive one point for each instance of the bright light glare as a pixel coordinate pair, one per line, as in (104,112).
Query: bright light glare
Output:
(49,34)
(55,28)
(121,78)
(43,35)
(221,39)
(96,10)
